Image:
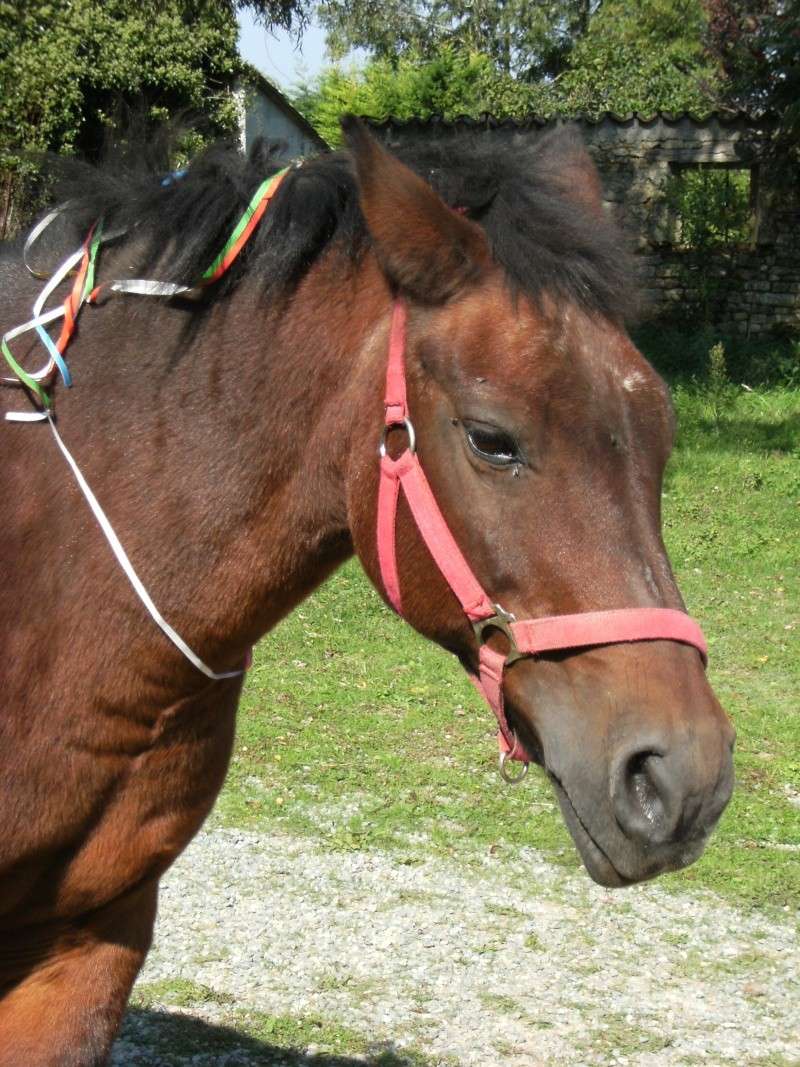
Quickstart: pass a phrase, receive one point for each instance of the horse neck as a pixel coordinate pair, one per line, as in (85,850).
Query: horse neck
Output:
(222,463)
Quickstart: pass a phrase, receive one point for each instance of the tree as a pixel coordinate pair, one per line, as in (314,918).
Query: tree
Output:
(452,84)
(640,55)
(524,39)
(66,69)
(757,44)
(634,55)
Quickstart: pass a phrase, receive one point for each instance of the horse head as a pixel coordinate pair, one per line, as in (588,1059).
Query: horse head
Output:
(543,434)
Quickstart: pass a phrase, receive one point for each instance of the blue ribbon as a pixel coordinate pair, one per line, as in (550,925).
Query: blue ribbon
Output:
(57,358)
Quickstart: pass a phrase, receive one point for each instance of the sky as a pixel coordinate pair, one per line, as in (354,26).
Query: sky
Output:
(277,56)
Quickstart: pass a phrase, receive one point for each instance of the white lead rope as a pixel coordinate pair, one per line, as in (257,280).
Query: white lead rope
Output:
(118,550)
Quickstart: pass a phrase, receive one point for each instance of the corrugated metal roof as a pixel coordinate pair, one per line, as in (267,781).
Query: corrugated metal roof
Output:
(487,121)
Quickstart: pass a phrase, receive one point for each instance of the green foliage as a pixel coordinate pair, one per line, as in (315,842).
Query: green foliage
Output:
(721,390)
(717,369)
(643,55)
(527,40)
(757,45)
(455,83)
(639,55)
(69,72)
(683,354)
(711,207)
(710,211)
(66,67)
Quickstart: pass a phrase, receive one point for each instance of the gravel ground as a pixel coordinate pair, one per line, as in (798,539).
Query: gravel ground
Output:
(486,963)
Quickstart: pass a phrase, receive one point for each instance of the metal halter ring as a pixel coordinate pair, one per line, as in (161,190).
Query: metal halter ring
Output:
(512,779)
(412,437)
(502,622)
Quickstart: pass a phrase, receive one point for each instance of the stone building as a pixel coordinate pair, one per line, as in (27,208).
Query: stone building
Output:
(738,266)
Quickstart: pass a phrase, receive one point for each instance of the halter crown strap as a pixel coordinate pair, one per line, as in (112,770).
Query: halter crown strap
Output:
(395,401)
(530,637)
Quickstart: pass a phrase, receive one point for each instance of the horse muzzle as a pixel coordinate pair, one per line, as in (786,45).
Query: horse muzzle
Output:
(641,784)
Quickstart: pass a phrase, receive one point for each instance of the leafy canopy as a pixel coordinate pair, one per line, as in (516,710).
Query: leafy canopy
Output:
(757,44)
(73,73)
(528,40)
(453,83)
(640,55)
(66,68)
(631,55)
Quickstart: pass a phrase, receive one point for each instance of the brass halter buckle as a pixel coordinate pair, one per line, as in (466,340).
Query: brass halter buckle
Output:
(500,621)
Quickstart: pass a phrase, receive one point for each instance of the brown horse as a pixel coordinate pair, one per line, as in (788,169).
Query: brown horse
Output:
(233,443)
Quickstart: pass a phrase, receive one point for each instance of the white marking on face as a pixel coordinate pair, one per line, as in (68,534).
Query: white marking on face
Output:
(630,382)
(649,577)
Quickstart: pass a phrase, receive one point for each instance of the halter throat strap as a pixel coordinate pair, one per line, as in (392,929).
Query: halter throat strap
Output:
(526,638)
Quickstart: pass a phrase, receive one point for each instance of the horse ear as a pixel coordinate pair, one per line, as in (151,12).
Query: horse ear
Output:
(424,247)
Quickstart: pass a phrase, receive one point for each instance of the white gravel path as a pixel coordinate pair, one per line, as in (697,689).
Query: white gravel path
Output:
(492,964)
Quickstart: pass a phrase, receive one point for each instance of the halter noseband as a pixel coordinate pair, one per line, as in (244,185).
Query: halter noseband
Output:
(529,637)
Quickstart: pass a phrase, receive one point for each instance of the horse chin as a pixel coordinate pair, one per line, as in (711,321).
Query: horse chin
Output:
(596,861)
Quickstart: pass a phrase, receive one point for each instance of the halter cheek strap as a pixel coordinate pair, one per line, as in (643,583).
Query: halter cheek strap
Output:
(526,638)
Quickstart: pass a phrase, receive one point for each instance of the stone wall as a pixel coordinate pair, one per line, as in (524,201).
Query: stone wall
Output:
(751,289)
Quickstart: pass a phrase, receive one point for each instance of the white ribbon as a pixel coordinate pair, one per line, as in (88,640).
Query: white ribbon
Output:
(25,416)
(146,287)
(127,566)
(41,317)
(37,231)
(119,551)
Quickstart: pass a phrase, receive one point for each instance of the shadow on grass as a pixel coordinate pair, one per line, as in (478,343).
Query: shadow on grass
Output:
(681,353)
(752,435)
(166,1039)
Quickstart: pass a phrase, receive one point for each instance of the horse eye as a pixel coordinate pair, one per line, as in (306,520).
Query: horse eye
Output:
(495,446)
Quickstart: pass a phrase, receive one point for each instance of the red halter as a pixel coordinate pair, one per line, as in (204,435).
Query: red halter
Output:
(527,638)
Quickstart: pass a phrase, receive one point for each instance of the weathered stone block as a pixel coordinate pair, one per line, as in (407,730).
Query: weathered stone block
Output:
(777,299)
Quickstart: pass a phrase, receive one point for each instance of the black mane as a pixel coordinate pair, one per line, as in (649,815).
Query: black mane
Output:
(545,241)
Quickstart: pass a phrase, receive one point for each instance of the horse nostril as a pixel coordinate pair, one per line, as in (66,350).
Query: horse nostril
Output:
(641,798)
(643,787)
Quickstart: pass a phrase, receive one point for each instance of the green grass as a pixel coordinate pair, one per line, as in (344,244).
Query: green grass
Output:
(704,967)
(615,1037)
(732,525)
(359,734)
(679,351)
(178,993)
